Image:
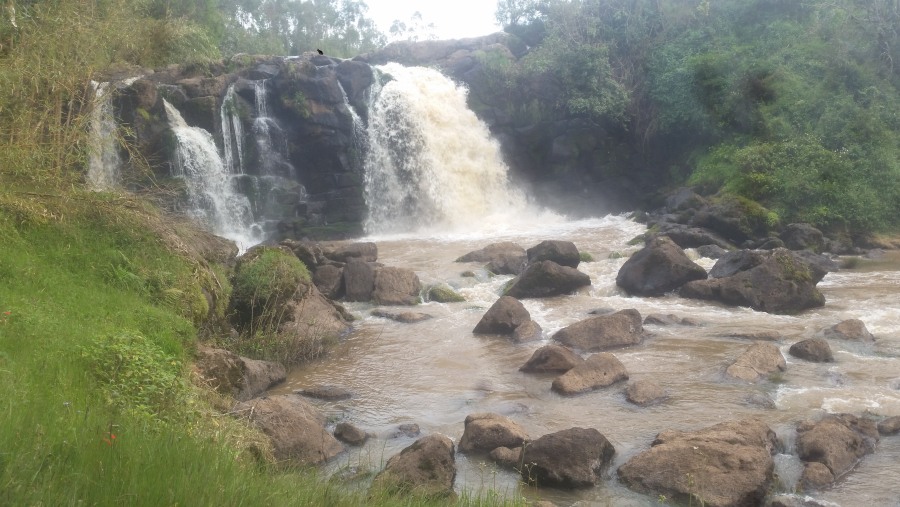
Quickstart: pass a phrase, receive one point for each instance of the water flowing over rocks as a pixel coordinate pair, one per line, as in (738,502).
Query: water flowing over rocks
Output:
(486,432)
(660,267)
(729,464)
(572,458)
(597,371)
(551,359)
(832,446)
(296,428)
(851,330)
(757,362)
(237,376)
(427,467)
(815,350)
(779,283)
(604,332)
(547,279)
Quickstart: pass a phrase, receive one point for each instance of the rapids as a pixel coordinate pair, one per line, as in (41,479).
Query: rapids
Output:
(436,372)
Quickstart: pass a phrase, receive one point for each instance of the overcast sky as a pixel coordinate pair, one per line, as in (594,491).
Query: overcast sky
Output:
(453,19)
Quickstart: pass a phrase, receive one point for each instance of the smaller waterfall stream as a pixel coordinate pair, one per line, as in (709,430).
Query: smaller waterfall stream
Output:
(104,159)
(211,195)
(270,139)
(232,133)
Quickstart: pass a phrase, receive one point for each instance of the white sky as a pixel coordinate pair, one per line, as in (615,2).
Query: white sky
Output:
(453,19)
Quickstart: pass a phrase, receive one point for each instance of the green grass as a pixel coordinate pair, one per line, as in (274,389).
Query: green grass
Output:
(96,402)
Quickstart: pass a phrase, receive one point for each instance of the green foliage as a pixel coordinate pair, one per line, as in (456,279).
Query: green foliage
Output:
(264,281)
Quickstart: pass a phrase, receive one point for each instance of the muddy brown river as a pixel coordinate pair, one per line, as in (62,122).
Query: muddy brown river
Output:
(436,372)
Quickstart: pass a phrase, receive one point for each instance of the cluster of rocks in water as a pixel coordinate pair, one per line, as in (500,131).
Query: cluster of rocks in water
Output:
(727,464)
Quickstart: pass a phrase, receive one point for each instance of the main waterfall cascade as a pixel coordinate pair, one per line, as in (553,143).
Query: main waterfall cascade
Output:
(211,193)
(431,162)
(104,159)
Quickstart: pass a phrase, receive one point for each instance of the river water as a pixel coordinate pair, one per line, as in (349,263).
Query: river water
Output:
(435,373)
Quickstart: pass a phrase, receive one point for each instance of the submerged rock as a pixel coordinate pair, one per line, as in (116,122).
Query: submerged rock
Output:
(850,329)
(404,317)
(325,392)
(757,362)
(644,392)
(552,359)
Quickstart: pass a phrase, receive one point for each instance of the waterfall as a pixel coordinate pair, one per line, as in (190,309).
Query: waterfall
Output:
(270,139)
(104,159)
(211,195)
(431,162)
(232,133)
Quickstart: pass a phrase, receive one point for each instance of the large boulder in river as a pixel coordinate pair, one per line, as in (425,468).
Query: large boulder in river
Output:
(359,280)
(603,332)
(572,458)
(802,237)
(230,374)
(850,329)
(644,392)
(838,442)
(329,280)
(427,467)
(780,283)
(396,286)
(599,370)
(551,359)
(815,350)
(505,258)
(564,253)
(546,279)
(759,361)
(343,252)
(486,432)
(660,267)
(503,317)
(726,465)
(314,319)
(296,428)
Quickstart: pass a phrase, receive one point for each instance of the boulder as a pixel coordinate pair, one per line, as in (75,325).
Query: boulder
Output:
(426,467)
(757,336)
(344,252)
(528,332)
(486,432)
(736,261)
(313,319)
(359,280)
(836,441)
(396,286)
(444,294)
(350,434)
(659,319)
(599,370)
(757,362)
(410,430)
(547,279)
(815,476)
(329,280)
(504,258)
(644,392)
(732,218)
(729,464)
(850,329)
(325,392)
(660,267)
(889,426)
(572,458)
(694,237)
(603,332)
(506,457)
(552,359)
(308,252)
(564,253)
(802,237)
(815,350)
(296,428)
(711,251)
(780,283)
(503,317)
(237,376)
(404,317)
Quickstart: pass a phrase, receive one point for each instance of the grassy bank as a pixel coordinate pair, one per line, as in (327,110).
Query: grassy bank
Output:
(98,319)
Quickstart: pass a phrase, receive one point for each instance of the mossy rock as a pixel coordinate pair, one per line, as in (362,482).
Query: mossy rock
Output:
(444,294)
(265,279)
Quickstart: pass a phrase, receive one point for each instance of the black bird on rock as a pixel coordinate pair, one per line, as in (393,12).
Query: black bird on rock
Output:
(320,51)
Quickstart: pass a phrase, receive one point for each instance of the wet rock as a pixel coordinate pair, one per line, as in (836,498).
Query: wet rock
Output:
(684,198)
(757,362)
(325,392)
(889,426)
(734,262)
(486,432)
(359,280)
(404,317)
(528,332)
(310,254)
(444,294)
(396,286)
(547,279)
(552,359)
(781,283)
(658,319)
(694,237)
(660,267)
(644,392)
(506,457)
(711,251)
(760,400)
(572,458)
(759,336)
(729,464)
(850,329)
(426,467)
(803,237)
(314,318)
(503,317)
(506,265)
(604,332)
(343,252)
(329,281)
(410,430)
(350,434)
(237,376)
(296,428)
(815,350)
(564,253)
(815,476)
(690,321)
(599,370)
(504,258)
(836,441)
(820,265)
